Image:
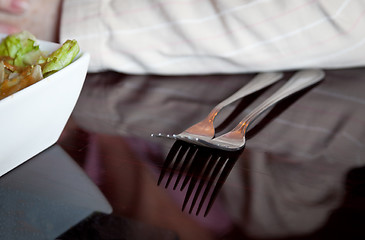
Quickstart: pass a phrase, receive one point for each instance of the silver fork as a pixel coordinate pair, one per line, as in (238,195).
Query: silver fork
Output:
(205,128)
(207,163)
(212,162)
(235,139)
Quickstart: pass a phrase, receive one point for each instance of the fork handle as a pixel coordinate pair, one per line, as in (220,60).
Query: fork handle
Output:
(297,82)
(260,81)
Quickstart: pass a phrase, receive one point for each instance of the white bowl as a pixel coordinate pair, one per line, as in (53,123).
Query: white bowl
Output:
(32,119)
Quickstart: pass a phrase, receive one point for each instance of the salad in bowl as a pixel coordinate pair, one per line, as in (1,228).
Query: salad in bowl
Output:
(40,83)
(23,63)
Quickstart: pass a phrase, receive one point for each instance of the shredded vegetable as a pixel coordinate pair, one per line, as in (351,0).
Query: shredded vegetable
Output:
(22,63)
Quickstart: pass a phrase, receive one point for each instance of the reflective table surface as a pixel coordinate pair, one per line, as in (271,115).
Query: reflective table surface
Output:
(301,175)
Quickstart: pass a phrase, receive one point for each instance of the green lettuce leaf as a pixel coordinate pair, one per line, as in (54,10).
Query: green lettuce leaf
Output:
(61,57)
(21,47)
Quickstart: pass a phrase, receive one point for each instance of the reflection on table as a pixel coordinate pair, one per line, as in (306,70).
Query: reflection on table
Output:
(51,197)
(295,178)
(47,195)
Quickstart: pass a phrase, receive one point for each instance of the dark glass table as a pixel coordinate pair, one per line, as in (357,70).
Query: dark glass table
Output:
(301,175)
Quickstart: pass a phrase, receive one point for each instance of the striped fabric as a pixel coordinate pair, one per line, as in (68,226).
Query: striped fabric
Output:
(216,36)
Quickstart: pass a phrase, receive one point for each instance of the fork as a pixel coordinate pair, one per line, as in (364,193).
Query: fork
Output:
(205,128)
(235,139)
(216,158)
(211,161)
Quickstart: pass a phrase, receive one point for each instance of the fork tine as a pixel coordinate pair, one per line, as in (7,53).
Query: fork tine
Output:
(190,173)
(196,168)
(217,169)
(179,157)
(226,169)
(204,178)
(212,163)
(170,157)
(187,162)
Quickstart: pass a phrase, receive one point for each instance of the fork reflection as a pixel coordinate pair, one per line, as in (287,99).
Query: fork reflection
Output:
(204,170)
